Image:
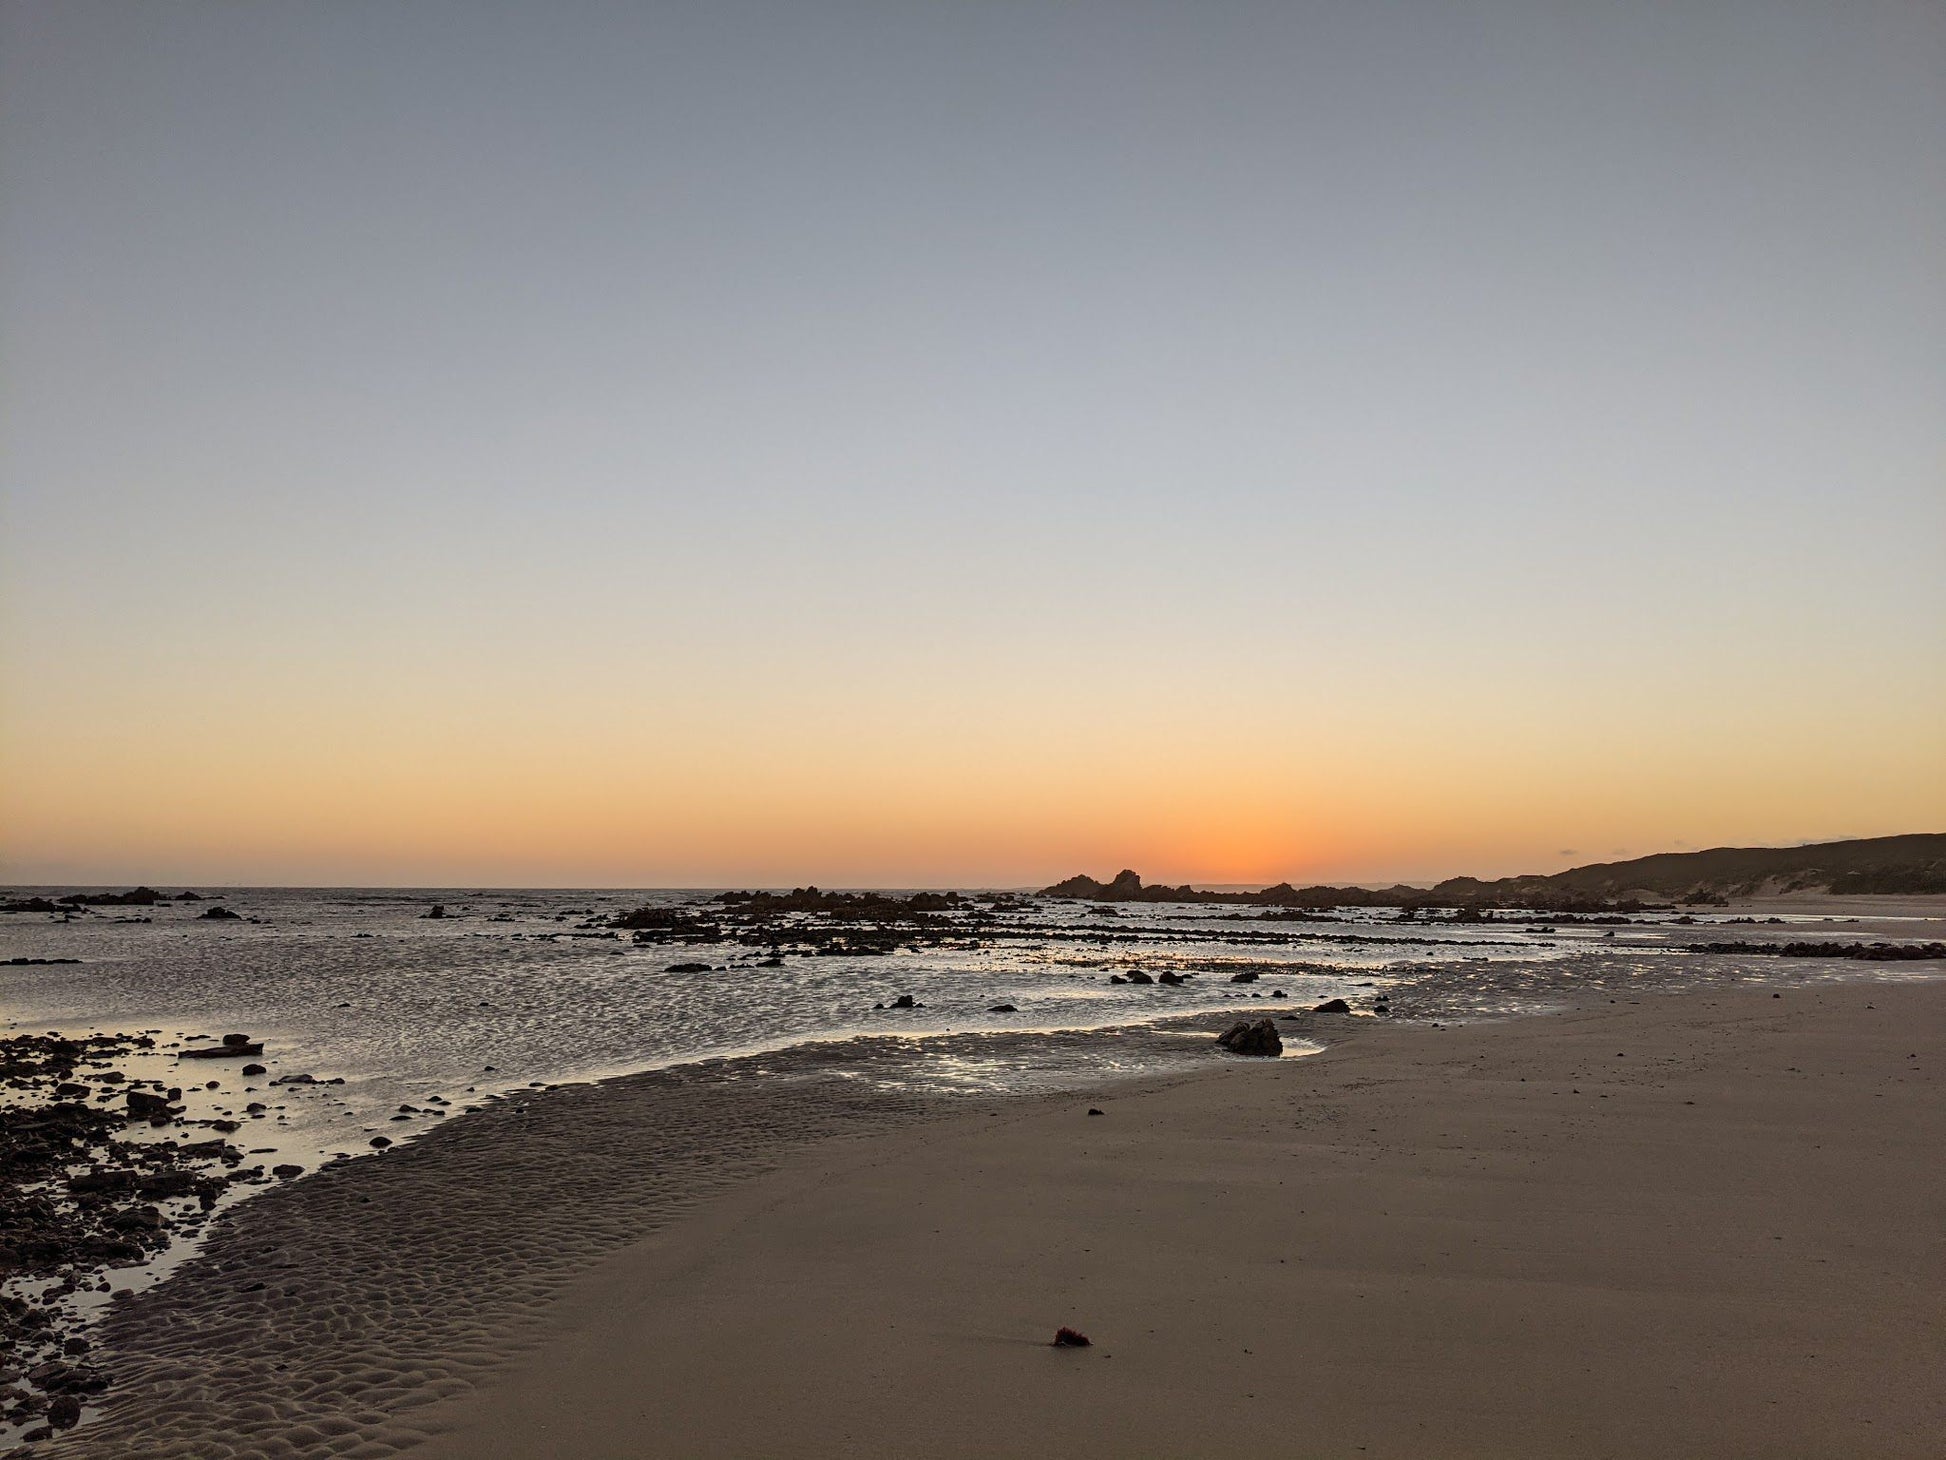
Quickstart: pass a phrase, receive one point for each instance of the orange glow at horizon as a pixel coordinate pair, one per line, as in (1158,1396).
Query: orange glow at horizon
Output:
(326,792)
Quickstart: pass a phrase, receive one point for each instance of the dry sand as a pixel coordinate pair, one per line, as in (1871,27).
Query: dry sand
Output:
(1701,1225)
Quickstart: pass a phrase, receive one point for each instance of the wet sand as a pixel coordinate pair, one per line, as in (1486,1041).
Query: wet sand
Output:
(1517,1238)
(1701,1224)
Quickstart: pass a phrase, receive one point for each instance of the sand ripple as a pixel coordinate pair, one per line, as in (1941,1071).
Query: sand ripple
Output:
(330,1316)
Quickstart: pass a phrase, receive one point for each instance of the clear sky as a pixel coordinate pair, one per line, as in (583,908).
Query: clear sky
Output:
(921,443)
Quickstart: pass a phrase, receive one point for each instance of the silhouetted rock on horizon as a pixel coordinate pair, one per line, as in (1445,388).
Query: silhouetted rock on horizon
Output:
(139,897)
(221,915)
(1127,886)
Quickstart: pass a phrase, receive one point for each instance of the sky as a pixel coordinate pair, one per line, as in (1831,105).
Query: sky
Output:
(955,443)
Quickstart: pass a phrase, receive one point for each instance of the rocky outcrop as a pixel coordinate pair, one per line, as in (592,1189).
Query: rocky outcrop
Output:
(1259,1038)
(234,1046)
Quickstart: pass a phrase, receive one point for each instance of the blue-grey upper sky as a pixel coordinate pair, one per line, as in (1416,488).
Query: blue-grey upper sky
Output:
(1542,394)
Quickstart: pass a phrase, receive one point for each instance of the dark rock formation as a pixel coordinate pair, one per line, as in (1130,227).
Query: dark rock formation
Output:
(1259,1038)
(234,1046)
(1332,1006)
(1865,952)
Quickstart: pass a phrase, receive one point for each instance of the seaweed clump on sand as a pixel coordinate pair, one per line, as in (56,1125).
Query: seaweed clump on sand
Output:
(78,1195)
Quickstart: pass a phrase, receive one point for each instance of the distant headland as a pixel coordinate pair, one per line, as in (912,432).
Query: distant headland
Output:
(1865,867)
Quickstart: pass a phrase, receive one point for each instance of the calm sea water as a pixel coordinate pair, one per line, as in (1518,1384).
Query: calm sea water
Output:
(510,989)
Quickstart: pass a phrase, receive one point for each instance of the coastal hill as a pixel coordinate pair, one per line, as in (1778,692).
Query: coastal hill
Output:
(1868,866)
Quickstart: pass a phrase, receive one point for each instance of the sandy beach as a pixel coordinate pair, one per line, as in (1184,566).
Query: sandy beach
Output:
(1695,1223)
(1699,1225)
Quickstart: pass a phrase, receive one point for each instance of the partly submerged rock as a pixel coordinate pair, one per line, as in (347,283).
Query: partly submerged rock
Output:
(1246,1037)
(1332,1006)
(234,1046)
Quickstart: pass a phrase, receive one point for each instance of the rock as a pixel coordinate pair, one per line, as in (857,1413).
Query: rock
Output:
(1116,978)
(223,1051)
(1003,1009)
(437,910)
(143,1105)
(1249,975)
(221,915)
(64,1413)
(1277,993)
(1093,1111)
(1137,976)
(379,1143)
(1172,979)
(1259,1038)
(286,1172)
(255,1070)
(903,1001)
(688,968)
(1332,1006)
(1070,1338)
